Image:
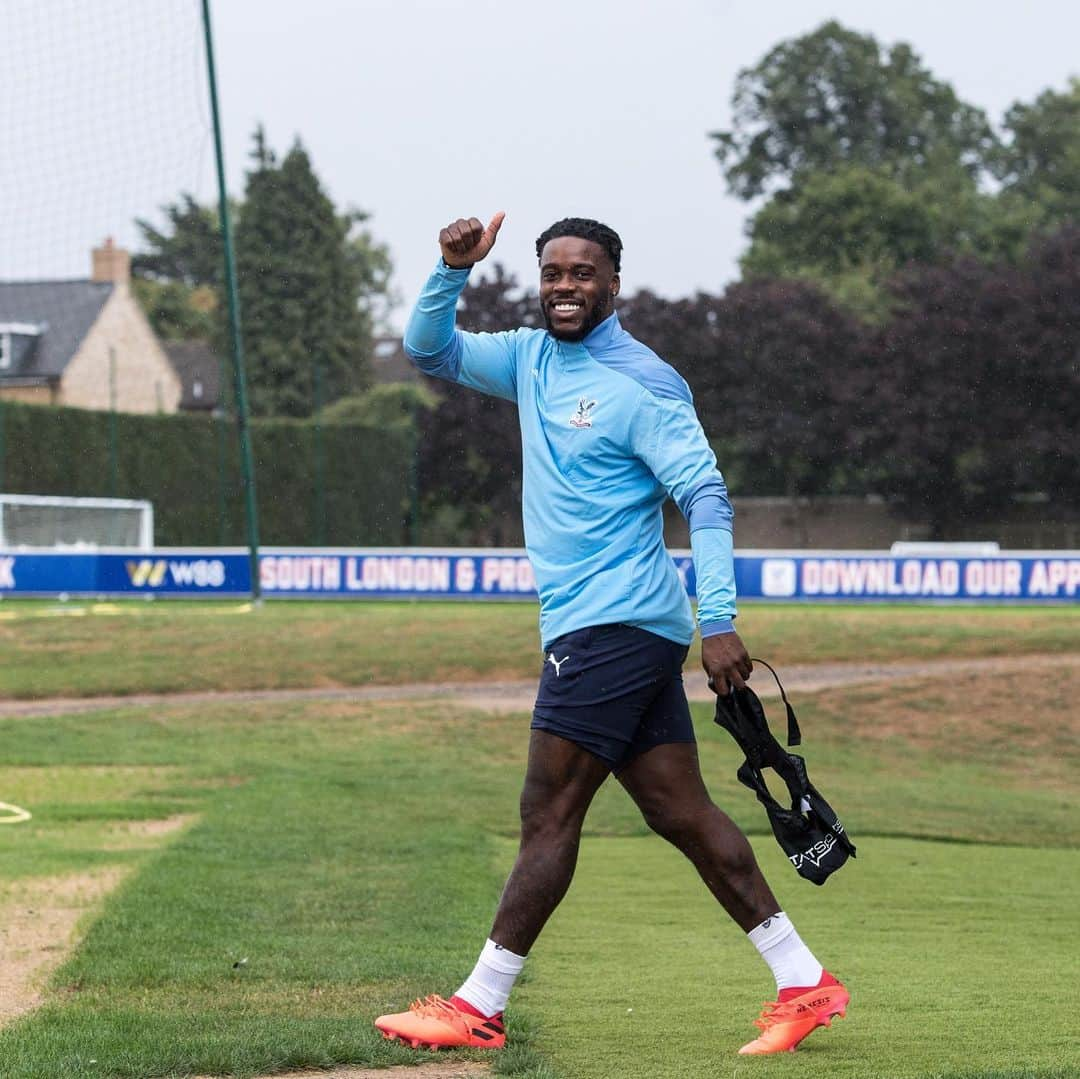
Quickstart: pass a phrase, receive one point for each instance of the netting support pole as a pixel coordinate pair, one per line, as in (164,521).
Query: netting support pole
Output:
(320,464)
(113,466)
(246,463)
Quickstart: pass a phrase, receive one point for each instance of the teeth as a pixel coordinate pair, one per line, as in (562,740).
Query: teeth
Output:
(567,306)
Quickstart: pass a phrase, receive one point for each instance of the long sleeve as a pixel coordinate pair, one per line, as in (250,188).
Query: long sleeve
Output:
(714,568)
(483,361)
(668,437)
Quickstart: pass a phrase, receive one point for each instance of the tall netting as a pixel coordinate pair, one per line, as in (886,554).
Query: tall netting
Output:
(104,120)
(104,117)
(114,386)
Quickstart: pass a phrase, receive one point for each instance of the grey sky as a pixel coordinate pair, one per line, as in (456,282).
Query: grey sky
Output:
(420,111)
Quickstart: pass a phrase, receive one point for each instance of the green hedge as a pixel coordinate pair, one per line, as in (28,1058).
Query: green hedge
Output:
(189,468)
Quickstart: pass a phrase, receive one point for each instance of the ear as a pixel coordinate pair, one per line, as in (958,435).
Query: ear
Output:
(615,285)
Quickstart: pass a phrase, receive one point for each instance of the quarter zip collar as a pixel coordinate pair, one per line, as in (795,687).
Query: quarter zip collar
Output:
(602,336)
(598,339)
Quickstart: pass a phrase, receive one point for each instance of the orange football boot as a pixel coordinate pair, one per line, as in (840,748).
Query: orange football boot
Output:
(434,1023)
(784,1023)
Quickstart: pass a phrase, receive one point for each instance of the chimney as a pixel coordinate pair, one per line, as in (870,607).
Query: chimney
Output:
(110,263)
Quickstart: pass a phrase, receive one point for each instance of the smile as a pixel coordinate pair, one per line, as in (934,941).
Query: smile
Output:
(566,307)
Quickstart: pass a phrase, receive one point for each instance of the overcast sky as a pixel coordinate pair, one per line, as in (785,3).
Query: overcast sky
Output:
(422,111)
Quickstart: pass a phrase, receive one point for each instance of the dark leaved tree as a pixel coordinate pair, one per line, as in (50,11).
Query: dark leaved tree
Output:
(770,364)
(788,356)
(957,382)
(1047,411)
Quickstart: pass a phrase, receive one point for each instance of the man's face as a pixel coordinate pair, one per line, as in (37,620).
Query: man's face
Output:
(578,286)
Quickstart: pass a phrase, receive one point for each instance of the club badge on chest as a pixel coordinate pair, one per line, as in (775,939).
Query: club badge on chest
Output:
(582,417)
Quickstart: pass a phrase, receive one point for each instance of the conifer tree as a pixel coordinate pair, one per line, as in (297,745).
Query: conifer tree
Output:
(307,341)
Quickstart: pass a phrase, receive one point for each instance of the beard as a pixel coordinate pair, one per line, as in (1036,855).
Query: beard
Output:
(593,317)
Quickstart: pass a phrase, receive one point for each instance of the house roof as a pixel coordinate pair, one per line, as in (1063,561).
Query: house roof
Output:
(200,373)
(65,309)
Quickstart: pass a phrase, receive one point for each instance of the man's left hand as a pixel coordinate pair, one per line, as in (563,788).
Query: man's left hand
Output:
(726,662)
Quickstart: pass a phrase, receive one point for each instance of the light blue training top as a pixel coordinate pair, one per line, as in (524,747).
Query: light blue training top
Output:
(608,431)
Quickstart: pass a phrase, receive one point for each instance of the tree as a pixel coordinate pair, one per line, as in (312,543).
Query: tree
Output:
(190,253)
(180,312)
(178,277)
(787,355)
(769,364)
(1040,161)
(850,229)
(307,340)
(390,406)
(836,97)
(470,453)
(1048,406)
(976,386)
(313,283)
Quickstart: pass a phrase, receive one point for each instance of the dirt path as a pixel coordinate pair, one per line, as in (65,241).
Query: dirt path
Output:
(519,696)
(40,916)
(439,1070)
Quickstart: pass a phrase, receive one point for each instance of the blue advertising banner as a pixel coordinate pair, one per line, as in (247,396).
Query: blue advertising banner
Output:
(492,574)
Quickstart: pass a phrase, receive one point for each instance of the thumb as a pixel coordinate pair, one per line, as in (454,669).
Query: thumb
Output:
(493,228)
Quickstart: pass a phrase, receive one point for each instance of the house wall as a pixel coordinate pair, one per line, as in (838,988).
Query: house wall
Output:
(144,379)
(29,395)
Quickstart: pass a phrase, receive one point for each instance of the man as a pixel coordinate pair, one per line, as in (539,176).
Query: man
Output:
(608,432)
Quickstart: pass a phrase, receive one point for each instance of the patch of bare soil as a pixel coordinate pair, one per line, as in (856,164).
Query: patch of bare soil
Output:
(153,828)
(38,920)
(129,834)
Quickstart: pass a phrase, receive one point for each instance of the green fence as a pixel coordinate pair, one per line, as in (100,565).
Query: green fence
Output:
(342,485)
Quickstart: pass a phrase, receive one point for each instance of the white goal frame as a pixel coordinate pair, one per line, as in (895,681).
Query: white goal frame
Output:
(146,518)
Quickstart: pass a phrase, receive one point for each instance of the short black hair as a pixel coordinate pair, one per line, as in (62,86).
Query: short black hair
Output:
(584,228)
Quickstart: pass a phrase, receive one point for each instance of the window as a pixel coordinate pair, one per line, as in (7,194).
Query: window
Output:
(9,331)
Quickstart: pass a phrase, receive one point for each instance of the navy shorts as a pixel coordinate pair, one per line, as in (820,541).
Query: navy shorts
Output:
(616,691)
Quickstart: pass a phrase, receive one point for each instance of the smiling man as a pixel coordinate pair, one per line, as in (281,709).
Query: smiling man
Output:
(608,433)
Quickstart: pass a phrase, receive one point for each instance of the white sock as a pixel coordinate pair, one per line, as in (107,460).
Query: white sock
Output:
(791,961)
(487,989)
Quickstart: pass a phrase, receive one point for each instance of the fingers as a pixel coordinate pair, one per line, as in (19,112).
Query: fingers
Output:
(726,662)
(720,685)
(466,240)
(461,236)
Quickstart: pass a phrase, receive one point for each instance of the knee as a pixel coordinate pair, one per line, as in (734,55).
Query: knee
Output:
(551,820)
(699,828)
(673,819)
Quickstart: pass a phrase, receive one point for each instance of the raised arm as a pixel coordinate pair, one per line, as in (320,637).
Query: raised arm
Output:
(483,361)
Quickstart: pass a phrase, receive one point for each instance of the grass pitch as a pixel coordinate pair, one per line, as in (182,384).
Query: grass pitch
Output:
(345,857)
